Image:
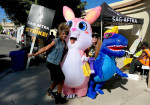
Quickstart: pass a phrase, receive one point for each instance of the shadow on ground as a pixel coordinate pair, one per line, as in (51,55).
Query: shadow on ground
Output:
(27,87)
(4,63)
(115,82)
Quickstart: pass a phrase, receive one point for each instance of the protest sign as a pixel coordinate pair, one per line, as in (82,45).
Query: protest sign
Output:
(38,24)
(39,21)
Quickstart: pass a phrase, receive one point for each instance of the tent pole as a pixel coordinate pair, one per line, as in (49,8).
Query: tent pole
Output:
(101,30)
(141,33)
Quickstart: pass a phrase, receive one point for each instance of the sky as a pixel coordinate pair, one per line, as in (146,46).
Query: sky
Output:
(3,15)
(95,3)
(91,4)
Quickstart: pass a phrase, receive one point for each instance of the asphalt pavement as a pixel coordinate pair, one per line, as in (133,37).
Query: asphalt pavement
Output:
(29,87)
(7,44)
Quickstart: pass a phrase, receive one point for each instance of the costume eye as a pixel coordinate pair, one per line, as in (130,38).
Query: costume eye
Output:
(108,35)
(69,23)
(82,26)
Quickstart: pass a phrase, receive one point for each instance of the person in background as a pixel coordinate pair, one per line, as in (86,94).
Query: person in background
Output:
(53,62)
(93,51)
(143,59)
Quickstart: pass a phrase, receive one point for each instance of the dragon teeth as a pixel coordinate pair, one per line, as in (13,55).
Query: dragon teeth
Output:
(117,46)
(117,50)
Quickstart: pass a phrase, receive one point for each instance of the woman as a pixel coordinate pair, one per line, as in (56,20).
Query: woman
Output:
(96,45)
(53,61)
(93,51)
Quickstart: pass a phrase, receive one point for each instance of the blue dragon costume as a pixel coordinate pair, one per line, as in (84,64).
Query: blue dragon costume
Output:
(105,65)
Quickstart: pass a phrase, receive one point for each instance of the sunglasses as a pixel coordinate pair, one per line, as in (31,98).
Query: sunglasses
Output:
(72,38)
(108,35)
(94,36)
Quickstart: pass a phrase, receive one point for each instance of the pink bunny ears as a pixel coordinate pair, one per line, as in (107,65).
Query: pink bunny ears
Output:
(90,17)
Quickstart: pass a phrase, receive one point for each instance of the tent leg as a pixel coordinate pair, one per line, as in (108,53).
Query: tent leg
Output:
(141,37)
(101,30)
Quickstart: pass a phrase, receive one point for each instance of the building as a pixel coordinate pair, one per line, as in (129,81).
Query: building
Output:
(8,26)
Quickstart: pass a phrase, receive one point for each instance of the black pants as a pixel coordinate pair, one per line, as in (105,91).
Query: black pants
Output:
(134,65)
(55,72)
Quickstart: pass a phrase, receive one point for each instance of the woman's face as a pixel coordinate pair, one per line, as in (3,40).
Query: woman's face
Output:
(94,39)
(63,35)
(72,40)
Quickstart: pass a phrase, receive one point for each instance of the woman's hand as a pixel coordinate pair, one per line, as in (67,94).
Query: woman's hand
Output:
(30,55)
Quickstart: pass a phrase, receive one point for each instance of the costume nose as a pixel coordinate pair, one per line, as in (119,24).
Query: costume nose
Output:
(73,29)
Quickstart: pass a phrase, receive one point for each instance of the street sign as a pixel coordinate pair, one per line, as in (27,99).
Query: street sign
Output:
(39,21)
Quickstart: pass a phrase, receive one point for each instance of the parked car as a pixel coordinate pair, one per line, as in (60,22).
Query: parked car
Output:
(22,40)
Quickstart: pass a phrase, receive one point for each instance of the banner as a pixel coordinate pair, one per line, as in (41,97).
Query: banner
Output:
(111,17)
(39,21)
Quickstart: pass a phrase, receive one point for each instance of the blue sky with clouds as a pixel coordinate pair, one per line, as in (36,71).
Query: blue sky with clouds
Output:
(91,4)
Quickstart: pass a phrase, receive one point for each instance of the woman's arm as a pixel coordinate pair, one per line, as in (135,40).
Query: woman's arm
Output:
(43,49)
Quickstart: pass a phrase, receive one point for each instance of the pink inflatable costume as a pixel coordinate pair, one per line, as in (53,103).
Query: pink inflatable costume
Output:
(81,32)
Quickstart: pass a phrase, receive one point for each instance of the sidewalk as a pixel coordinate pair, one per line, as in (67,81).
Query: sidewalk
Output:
(29,87)
(9,36)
